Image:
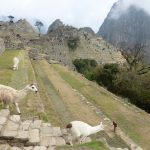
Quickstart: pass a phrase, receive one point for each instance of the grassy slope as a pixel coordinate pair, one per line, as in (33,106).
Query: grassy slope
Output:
(87,146)
(30,106)
(68,103)
(135,124)
(18,79)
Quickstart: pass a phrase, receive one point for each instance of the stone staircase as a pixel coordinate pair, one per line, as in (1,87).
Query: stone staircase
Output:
(16,134)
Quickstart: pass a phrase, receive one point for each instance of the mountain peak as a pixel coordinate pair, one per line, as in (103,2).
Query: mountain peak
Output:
(124,30)
(88,30)
(57,23)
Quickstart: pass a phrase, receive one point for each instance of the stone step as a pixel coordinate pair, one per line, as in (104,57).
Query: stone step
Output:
(7,147)
(16,134)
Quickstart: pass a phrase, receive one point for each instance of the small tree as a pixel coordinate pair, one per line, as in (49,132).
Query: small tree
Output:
(39,24)
(11,18)
(135,59)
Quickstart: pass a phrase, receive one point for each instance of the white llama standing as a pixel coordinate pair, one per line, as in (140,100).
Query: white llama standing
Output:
(80,130)
(9,95)
(15,63)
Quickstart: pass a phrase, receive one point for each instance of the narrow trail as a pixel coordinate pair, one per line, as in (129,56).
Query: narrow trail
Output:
(70,97)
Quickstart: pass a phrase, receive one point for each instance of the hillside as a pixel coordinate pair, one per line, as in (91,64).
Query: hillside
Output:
(16,35)
(126,27)
(65,95)
(55,44)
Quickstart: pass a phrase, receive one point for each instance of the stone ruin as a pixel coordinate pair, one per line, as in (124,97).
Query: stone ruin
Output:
(17,134)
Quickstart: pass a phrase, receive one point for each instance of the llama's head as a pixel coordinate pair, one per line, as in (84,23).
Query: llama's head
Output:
(32,87)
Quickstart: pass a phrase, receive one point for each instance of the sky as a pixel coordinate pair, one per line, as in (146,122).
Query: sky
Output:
(123,6)
(78,13)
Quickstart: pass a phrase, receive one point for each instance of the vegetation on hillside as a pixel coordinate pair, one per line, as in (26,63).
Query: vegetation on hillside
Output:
(73,43)
(121,81)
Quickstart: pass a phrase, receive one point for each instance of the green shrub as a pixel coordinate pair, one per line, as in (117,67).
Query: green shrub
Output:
(107,75)
(86,67)
(73,42)
(118,80)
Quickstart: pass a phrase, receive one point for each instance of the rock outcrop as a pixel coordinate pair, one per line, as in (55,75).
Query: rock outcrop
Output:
(126,27)
(88,30)
(57,23)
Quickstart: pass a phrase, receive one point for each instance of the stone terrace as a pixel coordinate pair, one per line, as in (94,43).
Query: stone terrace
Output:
(16,134)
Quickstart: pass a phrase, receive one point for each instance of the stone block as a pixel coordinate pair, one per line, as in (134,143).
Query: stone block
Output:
(51,148)
(6,134)
(15,118)
(15,148)
(60,141)
(4,147)
(12,126)
(28,148)
(4,113)
(56,131)
(34,137)
(40,148)
(47,141)
(3,120)
(22,135)
(46,125)
(25,125)
(51,131)
(36,124)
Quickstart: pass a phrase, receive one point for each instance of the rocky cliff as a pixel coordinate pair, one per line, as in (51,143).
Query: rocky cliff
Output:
(57,23)
(126,27)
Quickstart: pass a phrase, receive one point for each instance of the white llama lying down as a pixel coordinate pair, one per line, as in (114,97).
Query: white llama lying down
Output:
(80,130)
(9,95)
(15,63)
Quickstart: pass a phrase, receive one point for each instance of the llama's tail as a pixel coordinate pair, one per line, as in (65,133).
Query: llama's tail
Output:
(69,125)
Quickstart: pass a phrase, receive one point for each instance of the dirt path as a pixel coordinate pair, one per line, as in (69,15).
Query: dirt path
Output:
(70,97)
(53,95)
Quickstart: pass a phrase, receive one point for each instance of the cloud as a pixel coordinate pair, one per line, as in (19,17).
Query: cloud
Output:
(78,13)
(123,5)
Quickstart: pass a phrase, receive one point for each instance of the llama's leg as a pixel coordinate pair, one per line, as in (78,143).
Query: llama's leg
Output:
(17,107)
(82,139)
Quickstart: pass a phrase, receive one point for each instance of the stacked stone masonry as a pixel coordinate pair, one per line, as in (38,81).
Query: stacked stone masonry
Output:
(16,134)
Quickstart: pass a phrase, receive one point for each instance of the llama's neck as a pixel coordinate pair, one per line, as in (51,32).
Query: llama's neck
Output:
(95,129)
(22,93)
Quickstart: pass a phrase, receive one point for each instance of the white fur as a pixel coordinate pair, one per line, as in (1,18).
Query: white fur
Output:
(9,95)
(80,130)
(15,63)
